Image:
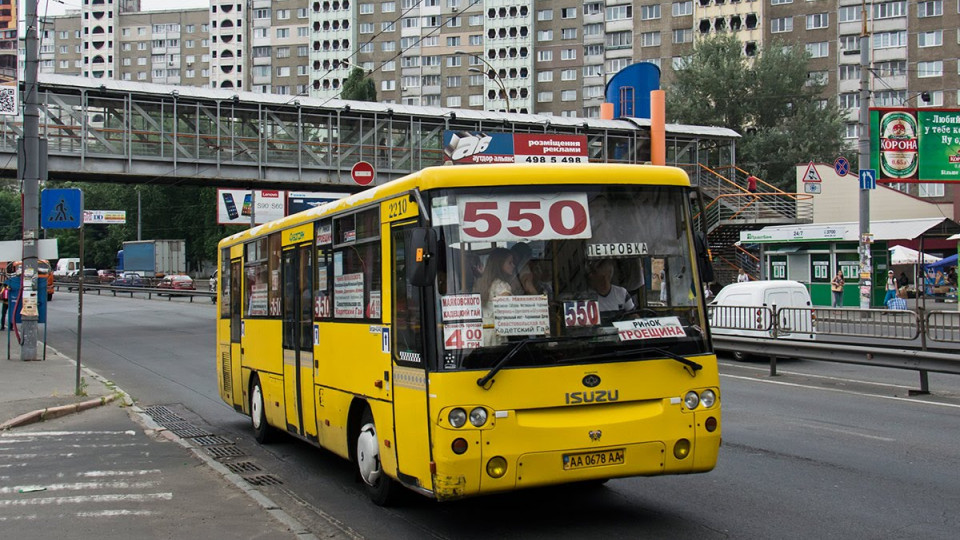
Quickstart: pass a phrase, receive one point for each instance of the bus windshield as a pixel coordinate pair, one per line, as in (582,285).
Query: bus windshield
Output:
(577,274)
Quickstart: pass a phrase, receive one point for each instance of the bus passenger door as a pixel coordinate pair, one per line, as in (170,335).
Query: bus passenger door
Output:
(297,277)
(411,412)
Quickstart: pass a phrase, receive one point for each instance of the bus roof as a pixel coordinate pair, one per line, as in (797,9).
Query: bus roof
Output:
(509,174)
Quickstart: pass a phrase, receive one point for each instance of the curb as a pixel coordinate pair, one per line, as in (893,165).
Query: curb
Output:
(55,412)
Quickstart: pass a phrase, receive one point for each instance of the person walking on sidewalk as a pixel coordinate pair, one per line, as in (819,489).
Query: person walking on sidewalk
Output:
(836,287)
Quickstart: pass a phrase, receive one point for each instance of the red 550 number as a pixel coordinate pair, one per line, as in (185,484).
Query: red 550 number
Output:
(528,218)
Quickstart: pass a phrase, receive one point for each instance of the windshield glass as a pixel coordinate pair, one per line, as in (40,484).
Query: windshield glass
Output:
(581,273)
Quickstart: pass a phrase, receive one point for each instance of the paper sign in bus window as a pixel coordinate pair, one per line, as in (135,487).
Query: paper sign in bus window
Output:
(521,315)
(654,328)
(258,300)
(348,296)
(525,217)
(465,335)
(459,307)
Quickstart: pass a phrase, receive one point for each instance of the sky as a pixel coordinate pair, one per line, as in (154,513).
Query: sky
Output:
(59,7)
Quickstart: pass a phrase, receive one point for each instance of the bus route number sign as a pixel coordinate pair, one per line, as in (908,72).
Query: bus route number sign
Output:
(490,219)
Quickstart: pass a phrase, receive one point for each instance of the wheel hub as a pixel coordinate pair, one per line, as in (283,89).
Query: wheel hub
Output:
(368,454)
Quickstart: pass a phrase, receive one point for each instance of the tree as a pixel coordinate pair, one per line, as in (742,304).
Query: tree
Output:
(359,87)
(769,99)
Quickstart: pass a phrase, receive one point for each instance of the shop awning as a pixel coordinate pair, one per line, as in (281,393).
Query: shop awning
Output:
(897,229)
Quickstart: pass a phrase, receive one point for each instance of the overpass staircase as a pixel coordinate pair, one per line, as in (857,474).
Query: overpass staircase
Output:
(729,209)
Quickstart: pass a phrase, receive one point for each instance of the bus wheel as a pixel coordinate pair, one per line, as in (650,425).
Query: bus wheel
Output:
(258,416)
(379,486)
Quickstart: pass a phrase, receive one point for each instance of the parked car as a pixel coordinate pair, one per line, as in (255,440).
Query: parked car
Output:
(177,282)
(106,276)
(129,279)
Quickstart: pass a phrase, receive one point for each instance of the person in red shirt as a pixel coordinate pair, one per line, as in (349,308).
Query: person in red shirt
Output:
(752,184)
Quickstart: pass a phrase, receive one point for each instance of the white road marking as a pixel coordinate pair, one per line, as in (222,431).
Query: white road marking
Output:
(843,431)
(79,486)
(115,513)
(83,499)
(842,391)
(64,433)
(766,369)
(100,474)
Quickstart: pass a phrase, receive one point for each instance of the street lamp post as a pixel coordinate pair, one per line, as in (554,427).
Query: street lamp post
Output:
(496,76)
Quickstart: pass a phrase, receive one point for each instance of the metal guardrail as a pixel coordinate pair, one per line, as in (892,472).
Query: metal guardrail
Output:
(769,331)
(148,291)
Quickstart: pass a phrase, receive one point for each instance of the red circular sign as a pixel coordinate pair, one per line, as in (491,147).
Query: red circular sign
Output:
(362,173)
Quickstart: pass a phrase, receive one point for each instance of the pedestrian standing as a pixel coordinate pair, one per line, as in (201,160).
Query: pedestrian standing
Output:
(891,287)
(836,287)
(742,276)
(4,302)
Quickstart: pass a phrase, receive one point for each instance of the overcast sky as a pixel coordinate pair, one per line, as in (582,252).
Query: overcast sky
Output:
(59,7)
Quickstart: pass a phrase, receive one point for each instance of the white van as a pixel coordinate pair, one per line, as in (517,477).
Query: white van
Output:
(731,313)
(67,266)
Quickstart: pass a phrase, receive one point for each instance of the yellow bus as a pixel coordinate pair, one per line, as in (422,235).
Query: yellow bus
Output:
(470,330)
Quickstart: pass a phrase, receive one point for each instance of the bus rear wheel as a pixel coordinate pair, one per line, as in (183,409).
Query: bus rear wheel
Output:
(258,415)
(380,487)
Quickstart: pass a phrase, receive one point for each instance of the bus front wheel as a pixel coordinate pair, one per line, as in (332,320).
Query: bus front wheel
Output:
(258,416)
(379,486)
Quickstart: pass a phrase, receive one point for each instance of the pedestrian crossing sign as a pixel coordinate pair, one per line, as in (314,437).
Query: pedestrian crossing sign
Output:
(811,175)
(61,208)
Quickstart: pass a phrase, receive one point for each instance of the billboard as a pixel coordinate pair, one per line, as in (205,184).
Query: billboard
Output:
(235,206)
(9,65)
(298,201)
(463,147)
(915,145)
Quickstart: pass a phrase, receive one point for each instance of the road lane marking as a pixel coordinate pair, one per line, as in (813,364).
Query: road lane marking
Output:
(842,391)
(101,474)
(83,499)
(77,486)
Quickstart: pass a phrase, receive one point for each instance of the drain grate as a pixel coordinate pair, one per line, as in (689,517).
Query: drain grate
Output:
(241,467)
(263,480)
(190,432)
(162,415)
(211,440)
(223,451)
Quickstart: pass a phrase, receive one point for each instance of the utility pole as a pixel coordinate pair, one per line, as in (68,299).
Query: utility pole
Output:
(30,185)
(866,266)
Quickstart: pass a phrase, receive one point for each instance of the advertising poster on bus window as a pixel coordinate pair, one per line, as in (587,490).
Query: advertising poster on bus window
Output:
(470,147)
(235,206)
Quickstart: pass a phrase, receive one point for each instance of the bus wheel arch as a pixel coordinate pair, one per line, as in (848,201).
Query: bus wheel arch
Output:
(258,414)
(365,454)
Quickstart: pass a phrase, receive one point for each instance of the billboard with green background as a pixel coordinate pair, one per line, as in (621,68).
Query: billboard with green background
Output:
(915,145)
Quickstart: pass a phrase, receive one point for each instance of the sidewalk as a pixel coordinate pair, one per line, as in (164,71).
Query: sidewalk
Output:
(96,465)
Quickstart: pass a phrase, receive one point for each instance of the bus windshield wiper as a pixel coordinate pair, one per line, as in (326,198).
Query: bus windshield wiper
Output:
(691,366)
(482,381)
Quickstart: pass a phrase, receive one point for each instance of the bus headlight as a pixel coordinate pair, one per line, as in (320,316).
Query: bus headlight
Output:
(708,398)
(457,417)
(478,416)
(496,467)
(691,400)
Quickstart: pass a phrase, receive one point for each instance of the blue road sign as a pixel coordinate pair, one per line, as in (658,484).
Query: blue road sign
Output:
(61,208)
(841,166)
(868,179)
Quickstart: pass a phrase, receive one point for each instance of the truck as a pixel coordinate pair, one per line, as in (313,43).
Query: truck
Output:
(153,258)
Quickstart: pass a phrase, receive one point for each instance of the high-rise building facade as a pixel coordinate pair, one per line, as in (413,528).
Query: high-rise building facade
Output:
(545,57)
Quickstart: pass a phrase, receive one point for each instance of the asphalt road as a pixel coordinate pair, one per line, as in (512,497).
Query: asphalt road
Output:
(823,450)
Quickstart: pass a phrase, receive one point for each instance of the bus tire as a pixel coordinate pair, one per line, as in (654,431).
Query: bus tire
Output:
(379,486)
(258,415)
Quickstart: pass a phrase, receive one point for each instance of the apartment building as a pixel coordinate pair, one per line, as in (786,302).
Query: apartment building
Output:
(545,57)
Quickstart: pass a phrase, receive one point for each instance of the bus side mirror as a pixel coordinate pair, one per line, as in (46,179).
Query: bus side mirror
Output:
(421,256)
(704,260)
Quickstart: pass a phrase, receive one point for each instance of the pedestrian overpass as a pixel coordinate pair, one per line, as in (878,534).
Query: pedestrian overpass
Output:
(119,131)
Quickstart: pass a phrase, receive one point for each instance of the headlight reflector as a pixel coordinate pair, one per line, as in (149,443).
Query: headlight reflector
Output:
(691,400)
(708,398)
(457,417)
(478,416)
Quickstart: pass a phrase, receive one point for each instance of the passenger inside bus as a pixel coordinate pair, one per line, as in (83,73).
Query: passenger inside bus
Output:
(611,297)
(498,272)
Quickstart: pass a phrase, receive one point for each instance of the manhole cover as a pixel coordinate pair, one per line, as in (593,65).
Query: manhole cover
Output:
(211,440)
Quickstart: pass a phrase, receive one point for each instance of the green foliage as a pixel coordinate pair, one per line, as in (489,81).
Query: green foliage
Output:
(769,99)
(169,213)
(359,87)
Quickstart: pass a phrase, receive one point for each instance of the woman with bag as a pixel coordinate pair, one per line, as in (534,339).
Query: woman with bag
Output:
(836,287)
(4,298)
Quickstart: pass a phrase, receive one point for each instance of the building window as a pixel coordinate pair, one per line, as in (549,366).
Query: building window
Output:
(568,75)
(453,101)
(475,100)
(930,69)
(849,100)
(889,10)
(545,76)
(781,24)
(568,33)
(544,97)
(818,20)
(848,14)
(889,98)
(568,95)
(619,13)
(568,54)
(568,13)
(619,40)
(851,131)
(930,39)
(849,72)
(931,9)
(544,35)
(683,35)
(453,81)
(681,9)
(930,190)
(887,40)
(545,15)
(650,39)
(366,9)
(936,99)
(283,33)
(544,56)
(650,12)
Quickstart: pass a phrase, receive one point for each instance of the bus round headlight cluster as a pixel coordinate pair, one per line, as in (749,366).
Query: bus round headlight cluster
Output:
(691,399)
(458,417)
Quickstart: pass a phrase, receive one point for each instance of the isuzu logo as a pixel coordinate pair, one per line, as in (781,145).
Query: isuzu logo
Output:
(591,381)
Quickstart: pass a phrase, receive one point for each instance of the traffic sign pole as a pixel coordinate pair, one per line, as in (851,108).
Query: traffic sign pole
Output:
(866,266)
(31,186)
